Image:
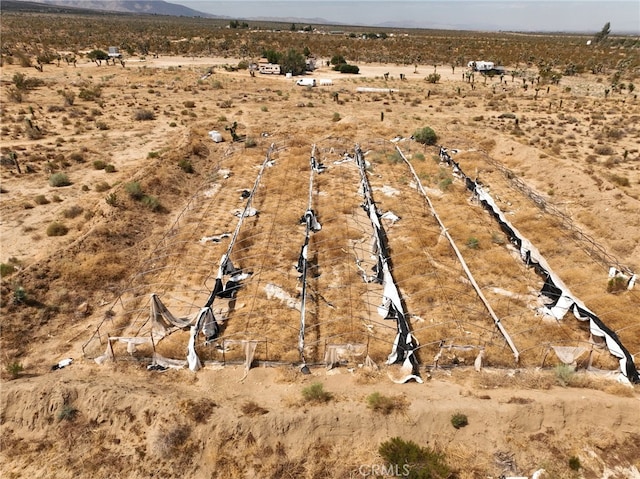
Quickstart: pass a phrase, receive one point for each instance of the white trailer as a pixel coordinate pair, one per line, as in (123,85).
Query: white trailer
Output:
(481,66)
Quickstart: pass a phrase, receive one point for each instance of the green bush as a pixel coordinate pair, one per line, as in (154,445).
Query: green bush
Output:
(336,117)
(186,166)
(316,393)
(6,269)
(57,229)
(19,295)
(615,284)
(425,136)
(41,200)
(59,179)
(151,202)
(14,369)
(413,461)
(110,168)
(433,78)
(564,374)
(67,413)
(346,68)
(112,199)
(73,212)
(574,463)
(102,187)
(99,164)
(459,420)
(382,404)
(134,190)
(473,243)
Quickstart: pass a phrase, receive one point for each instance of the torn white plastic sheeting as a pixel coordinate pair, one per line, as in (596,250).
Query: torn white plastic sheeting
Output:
(215,136)
(387,190)
(337,353)
(390,216)
(404,373)
(214,238)
(275,291)
(62,364)
(569,354)
(192,357)
(248,212)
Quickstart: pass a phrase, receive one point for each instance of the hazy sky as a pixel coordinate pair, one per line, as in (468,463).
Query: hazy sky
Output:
(523,15)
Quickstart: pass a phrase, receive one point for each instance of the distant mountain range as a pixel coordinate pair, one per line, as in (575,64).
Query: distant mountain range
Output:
(149,7)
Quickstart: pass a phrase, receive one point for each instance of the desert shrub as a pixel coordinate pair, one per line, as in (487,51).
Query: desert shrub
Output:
(41,200)
(73,212)
(151,202)
(57,229)
(564,373)
(168,440)
(102,187)
(77,156)
(426,136)
(615,284)
(413,461)
(186,166)
(433,78)
(336,117)
(603,150)
(473,243)
(384,404)
(6,269)
(459,420)
(67,413)
(250,143)
(112,199)
(143,114)
(99,164)
(189,104)
(418,156)
(200,410)
(19,295)
(619,180)
(347,68)
(101,125)
(59,179)
(68,96)
(134,190)
(91,93)
(251,408)
(315,393)
(109,168)
(14,369)
(574,463)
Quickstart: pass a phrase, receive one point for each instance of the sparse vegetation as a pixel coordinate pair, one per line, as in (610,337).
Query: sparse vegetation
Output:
(59,179)
(414,461)
(459,420)
(315,393)
(14,369)
(426,136)
(57,229)
(384,404)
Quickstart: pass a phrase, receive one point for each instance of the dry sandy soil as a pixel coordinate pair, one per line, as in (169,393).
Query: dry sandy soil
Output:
(572,150)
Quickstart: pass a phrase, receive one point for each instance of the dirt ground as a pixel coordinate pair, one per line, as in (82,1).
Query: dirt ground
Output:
(569,145)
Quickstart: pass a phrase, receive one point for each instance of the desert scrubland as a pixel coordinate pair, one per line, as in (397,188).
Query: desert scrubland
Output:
(112,190)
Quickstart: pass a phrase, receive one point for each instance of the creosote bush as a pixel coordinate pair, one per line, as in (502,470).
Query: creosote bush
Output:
(426,136)
(413,461)
(384,404)
(59,179)
(459,420)
(315,393)
(144,115)
(57,229)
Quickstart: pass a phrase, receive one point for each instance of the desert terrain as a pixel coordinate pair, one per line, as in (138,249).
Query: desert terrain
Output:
(147,189)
